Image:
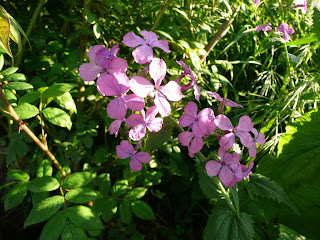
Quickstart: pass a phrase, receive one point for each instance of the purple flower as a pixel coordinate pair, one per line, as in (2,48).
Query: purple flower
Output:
(103,61)
(286,30)
(194,143)
(224,101)
(246,171)
(242,131)
(202,123)
(301,4)
(171,91)
(188,72)
(118,85)
(141,123)
(144,52)
(114,127)
(265,28)
(126,150)
(256,2)
(258,138)
(227,168)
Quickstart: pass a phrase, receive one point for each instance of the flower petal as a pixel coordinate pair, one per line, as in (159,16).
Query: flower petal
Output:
(155,125)
(143,157)
(223,122)
(261,139)
(253,151)
(134,102)
(117,109)
(116,65)
(114,127)
(213,168)
(137,132)
(196,92)
(162,104)
(215,95)
(163,44)
(94,56)
(149,36)
(107,85)
(141,86)
(226,176)
(151,113)
(196,145)
(157,70)
(89,71)
(134,120)
(132,40)
(229,103)
(143,54)
(172,90)
(125,149)
(227,141)
(245,138)
(186,120)
(185,138)
(245,124)
(135,165)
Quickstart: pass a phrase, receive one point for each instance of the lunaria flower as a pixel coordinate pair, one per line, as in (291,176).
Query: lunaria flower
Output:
(126,150)
(118,85)
(103,61)
(114,127)
(258,138)
(246,171)
(227,168)
(223,101)
(194,143)
(265,28)
(286,30)
(301,4)
(144,53)
(242,131)
(171,91)
(142,122)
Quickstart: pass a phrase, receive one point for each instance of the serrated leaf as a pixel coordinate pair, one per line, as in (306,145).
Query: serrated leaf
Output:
(26,111)
(84,217)
(53,228)
(78,179)
(225,225)
(57,89)
(44,210)
(156,140)
(30,97)
(287,233)
(135,193)
(44,184)
(57,117)
(119,188)
(125,212)
(82,195)
(142,210)
(106,206)
(17,86)
(18,175)
(44,169)
(72,232)
(15,196)
(66,101)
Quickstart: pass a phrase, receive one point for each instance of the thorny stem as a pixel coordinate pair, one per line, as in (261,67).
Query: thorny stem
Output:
(23,126)
(203,158)
(160,15)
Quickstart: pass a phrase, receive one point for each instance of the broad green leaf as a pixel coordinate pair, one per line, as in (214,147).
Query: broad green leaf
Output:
(156,140)
(26,111)
(11,98)
(106,206)
(30,97)
(21,148)
(17,86)
(72,232)
(9,71)
(84,217)
(104,183)
(5,31)
(15,196)
(57,89)
(66,101)
(82,195)
(18,175)
(57,117)
(195,60)
(15,77)
(119,188)
(142,210)
(44,169)
(135,193)
(225,225)
(53,228)
(289,234)
(44,210)
(44,184)
(38,197)
(78,179)
(125,212)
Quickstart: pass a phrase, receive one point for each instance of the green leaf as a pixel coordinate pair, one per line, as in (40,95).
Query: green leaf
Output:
(44,184)
(119,188)
(9,71)
(15,196)
(57,117)
(66,101)
(21,148)
(78,179)
(44,169)
(44,210)
(38,197)
(195,60)
(135,193)
(316,22)
(53,228)
(225,225)
(142,210)
(264,187)
(156,140)
(57,89)
(15,77)
(72,232)
(84,217)
(18,175)
(106,206)
(30,97)
(125,212)
(104,183)
(17,86)
(88,141)
(26,111)
(6,185)
(289,234)
(5,31)
(82,195)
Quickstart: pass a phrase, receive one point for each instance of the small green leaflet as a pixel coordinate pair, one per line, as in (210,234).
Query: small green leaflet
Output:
(26,111)
(44,184)
(54,226)
(15,196)
(142,210)
(57,117)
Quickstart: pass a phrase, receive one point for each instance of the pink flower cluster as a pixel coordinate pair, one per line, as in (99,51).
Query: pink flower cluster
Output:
(283,28)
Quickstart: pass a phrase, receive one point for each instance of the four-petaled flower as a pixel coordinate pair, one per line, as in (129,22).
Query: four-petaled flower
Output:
(286,30)
(194,143)
(126,150)
(258,138)
(223,101)
(266,27)
(171,91)
(144,52)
